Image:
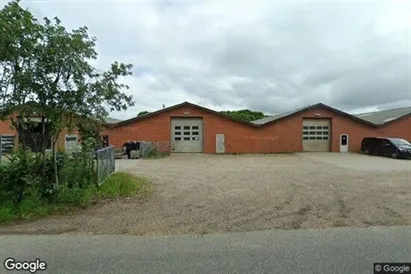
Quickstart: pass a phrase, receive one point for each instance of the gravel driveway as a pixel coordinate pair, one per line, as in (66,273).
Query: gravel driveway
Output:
(198,193)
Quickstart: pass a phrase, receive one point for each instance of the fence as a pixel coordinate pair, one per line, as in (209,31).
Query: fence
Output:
(105,163)
(154,149)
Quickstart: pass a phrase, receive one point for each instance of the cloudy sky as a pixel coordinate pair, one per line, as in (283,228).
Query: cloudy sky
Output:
(269,56)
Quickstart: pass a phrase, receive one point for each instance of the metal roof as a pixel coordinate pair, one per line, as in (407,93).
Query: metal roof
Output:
(376,117)
(268,119)
(384,116)
(109,120)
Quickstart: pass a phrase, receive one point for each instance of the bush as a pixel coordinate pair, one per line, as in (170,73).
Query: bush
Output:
(28,189)
(77,171)
(30,176)
(26,174)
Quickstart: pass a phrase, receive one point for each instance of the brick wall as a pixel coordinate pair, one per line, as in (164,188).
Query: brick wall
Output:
(5,128)
(399,128)
(281,136)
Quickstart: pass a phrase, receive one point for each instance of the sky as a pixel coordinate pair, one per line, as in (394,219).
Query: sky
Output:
(270,56)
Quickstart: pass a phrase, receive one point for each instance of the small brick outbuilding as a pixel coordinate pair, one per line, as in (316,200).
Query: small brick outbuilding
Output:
(188,127)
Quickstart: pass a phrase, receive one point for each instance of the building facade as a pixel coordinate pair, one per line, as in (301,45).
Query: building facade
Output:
(191,128)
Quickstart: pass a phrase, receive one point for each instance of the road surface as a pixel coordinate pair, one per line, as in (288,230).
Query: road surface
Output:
(338,250)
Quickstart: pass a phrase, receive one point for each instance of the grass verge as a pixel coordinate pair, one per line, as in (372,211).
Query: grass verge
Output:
(118,185)
(122,184)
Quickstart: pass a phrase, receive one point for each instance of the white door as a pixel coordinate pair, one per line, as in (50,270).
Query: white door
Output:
(344,142)
(186,135)
(220,143)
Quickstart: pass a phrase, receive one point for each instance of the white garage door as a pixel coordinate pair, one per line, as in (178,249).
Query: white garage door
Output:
(186,135)
(316,134)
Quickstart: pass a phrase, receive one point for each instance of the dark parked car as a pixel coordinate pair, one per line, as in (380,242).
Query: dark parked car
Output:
(390,147)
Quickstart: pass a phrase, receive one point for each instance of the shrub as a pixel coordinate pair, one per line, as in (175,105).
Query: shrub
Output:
(26,174)
(78,171)
(28,188)
(30,175)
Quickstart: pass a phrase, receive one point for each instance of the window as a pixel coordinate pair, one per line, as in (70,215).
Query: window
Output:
(325,132)
(177,127)
(319,133)
(312,132)
(186,138)
(319,127)
(305,132)
(194,133)
(384,142)
(177,138)
(177,133)
(194,127)
(319,138)
(312,137)
(325,127)
(399,142)
(305,127)
(312,127)
(195,138)
(186,132)
(186,127)
(305,138)
(325,137)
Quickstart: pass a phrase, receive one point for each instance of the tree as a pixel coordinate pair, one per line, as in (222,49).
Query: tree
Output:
(244,115)
(45,71)
(141,113)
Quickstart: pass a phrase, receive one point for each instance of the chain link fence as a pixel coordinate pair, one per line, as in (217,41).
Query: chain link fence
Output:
(154,149)
(104,163)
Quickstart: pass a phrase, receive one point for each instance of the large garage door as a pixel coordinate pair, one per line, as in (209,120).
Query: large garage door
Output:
(316,135)
(186,135)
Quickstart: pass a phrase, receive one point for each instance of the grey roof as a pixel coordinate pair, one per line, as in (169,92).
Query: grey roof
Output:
(109,120)
(276,116)
(384,116)
(373,118)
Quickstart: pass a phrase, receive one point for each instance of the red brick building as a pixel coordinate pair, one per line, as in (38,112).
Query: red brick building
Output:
(10,135)
(191,128)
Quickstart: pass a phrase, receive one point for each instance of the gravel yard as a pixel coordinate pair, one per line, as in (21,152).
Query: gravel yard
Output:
(198,193)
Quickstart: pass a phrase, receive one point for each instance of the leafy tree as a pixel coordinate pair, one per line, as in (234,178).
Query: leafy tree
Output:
(244,114)
(45,71)
(141,113)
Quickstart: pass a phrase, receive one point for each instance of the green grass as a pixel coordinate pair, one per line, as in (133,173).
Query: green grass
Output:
(122,184)
(6,214)
(118,185)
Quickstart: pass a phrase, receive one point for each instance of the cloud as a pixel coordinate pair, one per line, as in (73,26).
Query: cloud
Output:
(272,57)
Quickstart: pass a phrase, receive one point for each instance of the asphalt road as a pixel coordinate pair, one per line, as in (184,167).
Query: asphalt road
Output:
(339,250)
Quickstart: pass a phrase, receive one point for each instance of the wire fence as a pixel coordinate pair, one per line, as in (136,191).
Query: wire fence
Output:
(105,163)
(154,149)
